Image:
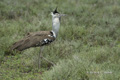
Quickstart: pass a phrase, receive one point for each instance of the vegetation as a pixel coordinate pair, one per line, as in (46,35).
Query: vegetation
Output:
(87,48)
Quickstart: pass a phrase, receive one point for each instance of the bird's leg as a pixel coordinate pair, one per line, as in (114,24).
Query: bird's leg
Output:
(40,57)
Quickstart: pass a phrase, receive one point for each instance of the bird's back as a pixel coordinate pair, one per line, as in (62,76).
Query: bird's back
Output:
(34,39)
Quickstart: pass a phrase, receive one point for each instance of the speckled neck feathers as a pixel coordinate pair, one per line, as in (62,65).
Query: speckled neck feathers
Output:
(55,25)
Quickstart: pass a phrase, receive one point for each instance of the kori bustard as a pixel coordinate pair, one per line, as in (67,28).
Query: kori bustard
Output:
(40,38)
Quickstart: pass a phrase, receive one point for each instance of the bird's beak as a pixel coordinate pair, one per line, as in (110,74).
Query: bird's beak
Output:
(62,14)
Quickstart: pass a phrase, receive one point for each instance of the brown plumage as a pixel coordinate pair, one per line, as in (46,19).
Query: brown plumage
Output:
(34,39)
(40,38)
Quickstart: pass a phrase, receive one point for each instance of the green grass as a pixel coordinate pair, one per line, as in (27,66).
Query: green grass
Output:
(87,47)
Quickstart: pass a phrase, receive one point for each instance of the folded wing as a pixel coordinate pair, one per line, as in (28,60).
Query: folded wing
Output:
(34,39)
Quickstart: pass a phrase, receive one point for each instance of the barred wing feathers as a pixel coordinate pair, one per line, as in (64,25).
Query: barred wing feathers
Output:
(34,39)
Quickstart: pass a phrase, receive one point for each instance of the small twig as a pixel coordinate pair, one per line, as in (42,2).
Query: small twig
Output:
(90,63)
(48,61)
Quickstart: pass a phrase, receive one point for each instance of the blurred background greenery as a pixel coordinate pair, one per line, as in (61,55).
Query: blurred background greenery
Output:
(88,41)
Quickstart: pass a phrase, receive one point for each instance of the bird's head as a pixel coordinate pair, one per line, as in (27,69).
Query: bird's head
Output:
(56,14)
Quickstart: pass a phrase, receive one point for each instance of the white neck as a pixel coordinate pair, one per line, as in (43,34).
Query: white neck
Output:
(55,25)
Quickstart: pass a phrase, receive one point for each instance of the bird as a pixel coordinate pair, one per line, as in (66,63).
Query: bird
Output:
(40,38)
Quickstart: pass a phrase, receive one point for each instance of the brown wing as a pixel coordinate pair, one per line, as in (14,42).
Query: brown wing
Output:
(34,39)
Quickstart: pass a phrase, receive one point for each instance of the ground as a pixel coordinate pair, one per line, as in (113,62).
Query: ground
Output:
(87,47)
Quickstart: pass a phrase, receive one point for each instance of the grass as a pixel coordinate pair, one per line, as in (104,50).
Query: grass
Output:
(87,47)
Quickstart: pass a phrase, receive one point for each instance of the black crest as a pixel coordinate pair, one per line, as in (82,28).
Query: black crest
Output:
(55,11)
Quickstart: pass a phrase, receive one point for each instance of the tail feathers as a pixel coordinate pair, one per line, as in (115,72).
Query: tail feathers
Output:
(16,45)
(10,52)
(23,44)
(19,46)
